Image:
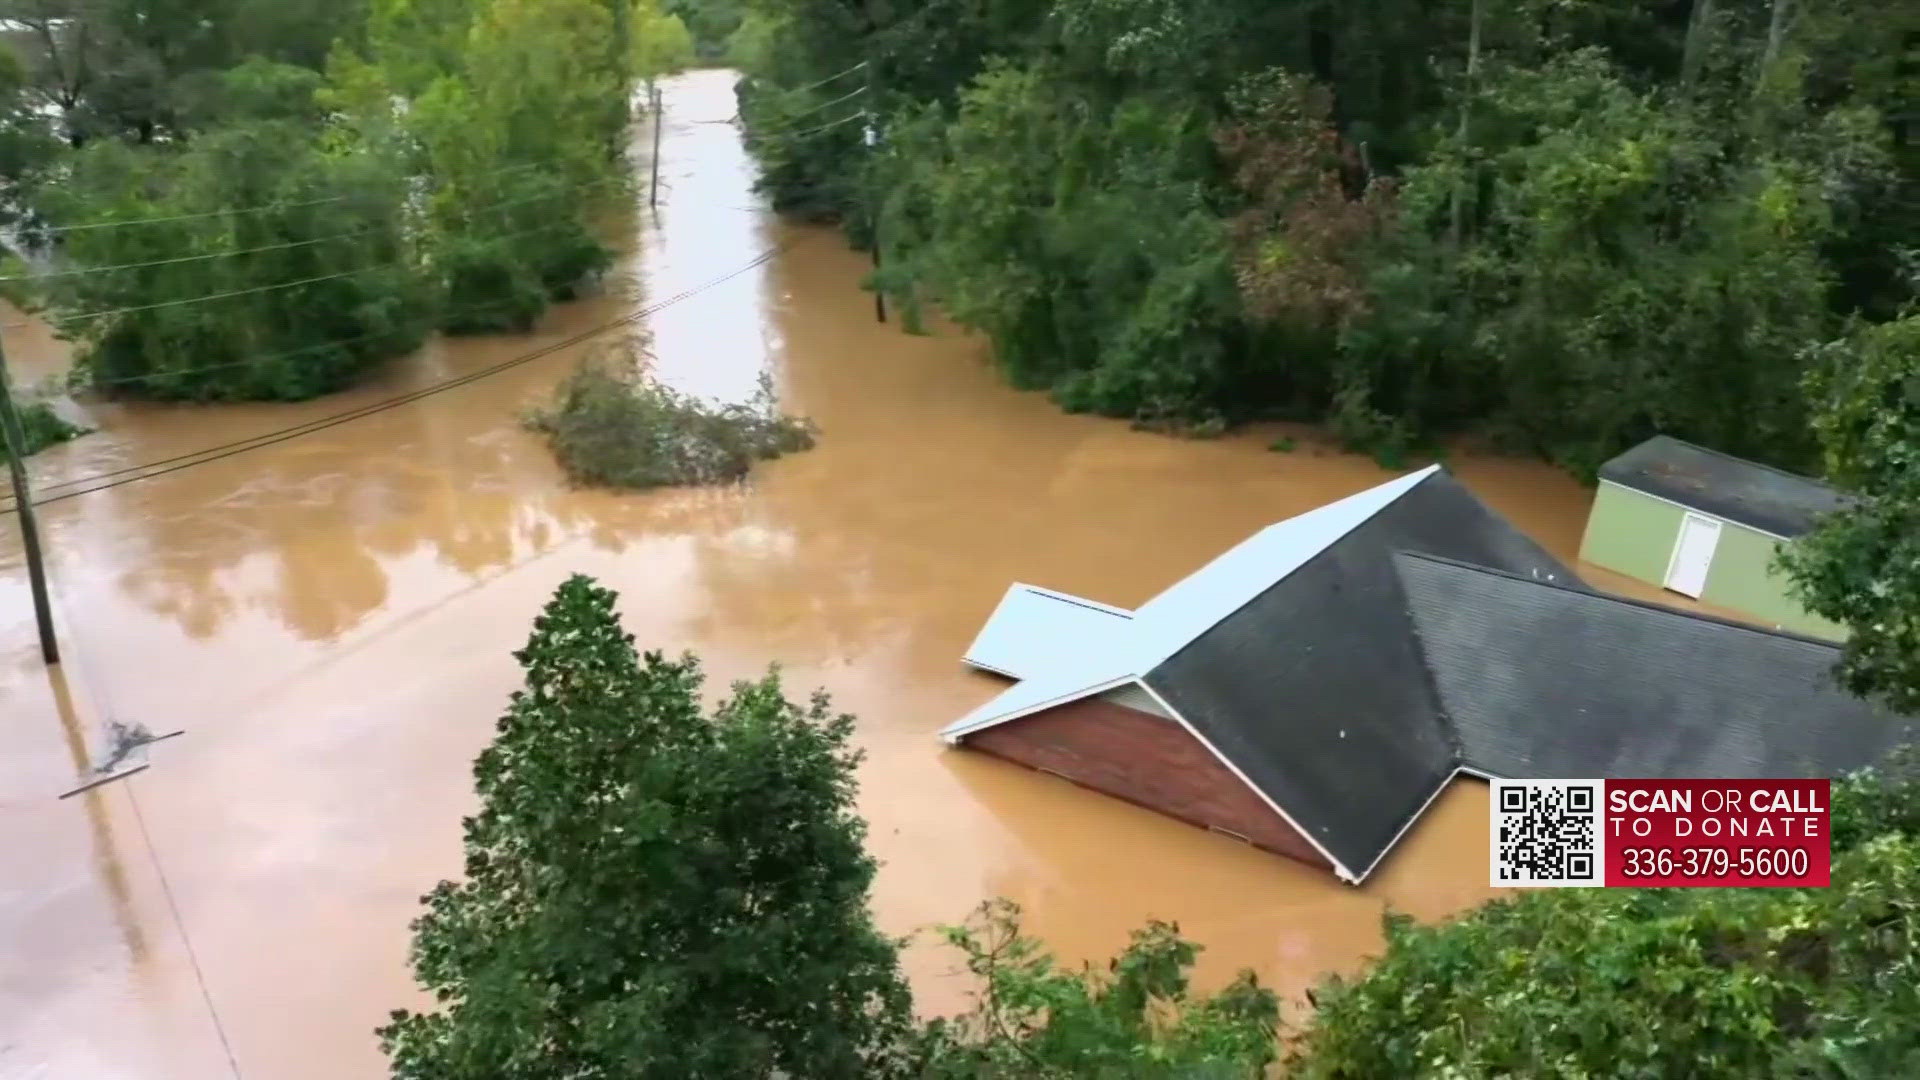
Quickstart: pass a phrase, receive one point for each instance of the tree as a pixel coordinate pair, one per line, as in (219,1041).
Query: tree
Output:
(1656,982)
(1034,1019)
(296,296)
(661,43)
(652,890)
(1860,567)
(518,143)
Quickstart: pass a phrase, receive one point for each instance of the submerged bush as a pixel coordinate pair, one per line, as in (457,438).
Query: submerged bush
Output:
(43,428)
(611,424)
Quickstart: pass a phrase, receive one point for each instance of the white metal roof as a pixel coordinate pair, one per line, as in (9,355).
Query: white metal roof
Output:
(1184,611)
(1035,630)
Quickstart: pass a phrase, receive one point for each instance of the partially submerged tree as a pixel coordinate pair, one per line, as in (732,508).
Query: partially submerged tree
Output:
(1138,1020)
(653,890)
(1860,567)
(610,423)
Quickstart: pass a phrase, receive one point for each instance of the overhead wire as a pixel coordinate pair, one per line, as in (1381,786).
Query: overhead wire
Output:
(240,446)
(84,270)
(828,79)
(388,264)
(330,343)
(258,208)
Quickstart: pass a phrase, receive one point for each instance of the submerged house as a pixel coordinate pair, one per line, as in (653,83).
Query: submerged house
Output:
(1706,525)
(1312,690)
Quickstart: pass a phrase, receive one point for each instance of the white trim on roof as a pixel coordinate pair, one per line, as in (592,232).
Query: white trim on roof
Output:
(1695,510)
(1445,783)
(972,722)
(1339,868)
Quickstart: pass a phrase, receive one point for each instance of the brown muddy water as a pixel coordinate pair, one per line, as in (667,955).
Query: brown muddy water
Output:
(329,618)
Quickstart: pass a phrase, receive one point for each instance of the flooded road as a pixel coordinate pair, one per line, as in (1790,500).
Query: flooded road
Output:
(330,619)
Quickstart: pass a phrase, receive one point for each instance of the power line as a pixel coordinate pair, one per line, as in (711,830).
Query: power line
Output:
(241,446)
(828,79)
(388,264)
(80,271)
(848,96)
(330,343)
(188,258)
(825,127)
(259,208)
(180,925)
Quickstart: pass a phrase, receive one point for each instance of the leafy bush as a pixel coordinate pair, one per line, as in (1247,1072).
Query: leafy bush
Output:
(1036,1019)
(611,424)
(42,427)
(1657,982)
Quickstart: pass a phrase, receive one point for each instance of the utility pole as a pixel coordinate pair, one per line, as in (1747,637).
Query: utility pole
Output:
(16,445)
(653,189)
(872,136)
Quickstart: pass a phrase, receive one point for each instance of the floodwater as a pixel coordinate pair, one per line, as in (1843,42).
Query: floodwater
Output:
(329,619)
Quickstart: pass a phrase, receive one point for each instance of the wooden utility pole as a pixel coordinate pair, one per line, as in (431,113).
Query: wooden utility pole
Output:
(872,136)
(15,439)
(653,189)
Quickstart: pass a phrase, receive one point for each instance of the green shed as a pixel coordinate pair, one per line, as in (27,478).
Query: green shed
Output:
(1706,525)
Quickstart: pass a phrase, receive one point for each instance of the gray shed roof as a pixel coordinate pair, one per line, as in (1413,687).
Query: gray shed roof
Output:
(1724,486)
(1542,681)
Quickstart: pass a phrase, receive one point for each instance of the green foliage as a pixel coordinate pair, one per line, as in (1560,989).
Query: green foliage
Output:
(1860,567)
(653,890)
(445,170)
(1573,300)
(1139,1019)
(341,293)
(611,424)
(661,43)
(1006,216)
(1606,220)
(42,427)
(710,23)
(518,141)
(1654,982)
(258,89)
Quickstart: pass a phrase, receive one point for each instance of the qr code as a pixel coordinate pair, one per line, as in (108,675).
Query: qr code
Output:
(1546,833)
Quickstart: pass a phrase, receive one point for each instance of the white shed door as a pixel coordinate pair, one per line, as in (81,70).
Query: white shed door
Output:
(1692,555)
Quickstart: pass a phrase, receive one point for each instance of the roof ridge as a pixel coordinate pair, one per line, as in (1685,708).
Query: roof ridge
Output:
(1735,458)
(1697,616)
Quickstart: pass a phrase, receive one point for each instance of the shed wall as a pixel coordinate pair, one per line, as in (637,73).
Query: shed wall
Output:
(1633,533)
(1742,579)
(1148,761)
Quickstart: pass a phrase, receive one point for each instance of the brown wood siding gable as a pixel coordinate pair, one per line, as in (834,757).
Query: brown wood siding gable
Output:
(1148,761)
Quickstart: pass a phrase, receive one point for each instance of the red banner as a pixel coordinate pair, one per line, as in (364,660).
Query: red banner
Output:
(1716,832)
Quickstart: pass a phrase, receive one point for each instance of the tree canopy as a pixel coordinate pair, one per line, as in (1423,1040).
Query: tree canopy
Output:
(1565,226)
(653,890)
(265,199)
(1860,567)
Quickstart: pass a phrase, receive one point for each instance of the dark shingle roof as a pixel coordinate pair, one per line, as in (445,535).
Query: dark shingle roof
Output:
(1317,690)
(1727,487)
(1539,681)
